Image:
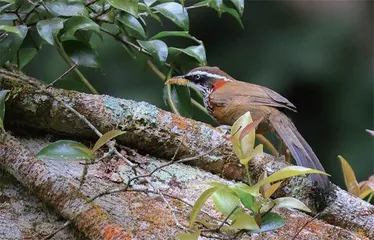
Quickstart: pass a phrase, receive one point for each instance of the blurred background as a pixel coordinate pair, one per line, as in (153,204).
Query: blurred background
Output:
(318,54)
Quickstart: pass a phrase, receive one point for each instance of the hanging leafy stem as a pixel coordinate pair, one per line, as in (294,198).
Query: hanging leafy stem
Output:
(248,207)
(70,25)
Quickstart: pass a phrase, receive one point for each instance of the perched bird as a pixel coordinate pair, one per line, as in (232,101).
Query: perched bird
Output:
(226,99)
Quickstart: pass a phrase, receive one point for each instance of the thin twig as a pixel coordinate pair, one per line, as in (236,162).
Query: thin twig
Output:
(63,75)
(311,220)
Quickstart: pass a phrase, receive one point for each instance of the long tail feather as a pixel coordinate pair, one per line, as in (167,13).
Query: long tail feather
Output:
(298,147)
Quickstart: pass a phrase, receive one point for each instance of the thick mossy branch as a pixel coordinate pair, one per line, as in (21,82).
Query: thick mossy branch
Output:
(159,133)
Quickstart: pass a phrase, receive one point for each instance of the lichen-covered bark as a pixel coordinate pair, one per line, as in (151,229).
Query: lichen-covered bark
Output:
(159,133)
(57,191)
(146,215)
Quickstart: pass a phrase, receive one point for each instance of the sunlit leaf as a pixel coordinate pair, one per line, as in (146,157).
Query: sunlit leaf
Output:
(48,29)
(188,236)
(66,8)
(270,221)
(79,23)
(289,202)
(184,34)
(239,4)
(366,189)
(225,200)
(3,94)
(10,43)
(129,6)
(10,29)
(371,132)
(197,52)
(157,48)
(200,203)
(65,150)
(149,2)
(247,195)
(290,171)
(271,190)
(258,151)
(106,138)
(349,177)
(81,54)
(132,24)
(175,12)
(245,221)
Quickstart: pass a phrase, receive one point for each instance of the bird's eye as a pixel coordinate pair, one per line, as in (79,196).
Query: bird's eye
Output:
(197,77)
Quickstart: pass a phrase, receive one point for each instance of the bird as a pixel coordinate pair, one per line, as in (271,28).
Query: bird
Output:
(226,99)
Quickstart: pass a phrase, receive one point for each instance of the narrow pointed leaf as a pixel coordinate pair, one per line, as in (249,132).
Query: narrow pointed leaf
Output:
(271,190)
(366,189)
(157,48)
(244,221)
(48,29)
(65,150)
(184,34)
(129,6)
(200,203)
(239,4)
(106,138)
(175,12)
(250,127)
(233,13)
(349,177)
(290,171)
(289,202)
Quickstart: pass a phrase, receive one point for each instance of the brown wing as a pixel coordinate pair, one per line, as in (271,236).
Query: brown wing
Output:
(251,93)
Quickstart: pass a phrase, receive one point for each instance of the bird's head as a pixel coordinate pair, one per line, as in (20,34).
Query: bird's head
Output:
(203,79)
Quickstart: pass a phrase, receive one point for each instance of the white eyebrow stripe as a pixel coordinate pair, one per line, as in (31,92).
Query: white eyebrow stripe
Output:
(212,75)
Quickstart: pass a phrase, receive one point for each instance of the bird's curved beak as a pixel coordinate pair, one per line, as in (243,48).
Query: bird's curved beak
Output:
(179,80)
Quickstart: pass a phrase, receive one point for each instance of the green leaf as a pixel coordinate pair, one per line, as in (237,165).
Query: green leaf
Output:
(81,23)
(197,52)
(26,55)
(247,195)
(66,8)
(65,150)
(271,190)
(48,29)
(5,6)
(11,29)
(366,189)
(106,138)
(287,172)
(175,12)
(270,221)
(225,200)
(144,8)
(188,236)
(349,177)
(200,202)
(157,48)
(218,5)
(149,2)
(3,94)
(81,54)
(10,43)
(132,24)
(184,34)
(233,13)
(178,98)
(244,221)
(239,4)
(289,202)
(129,6)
